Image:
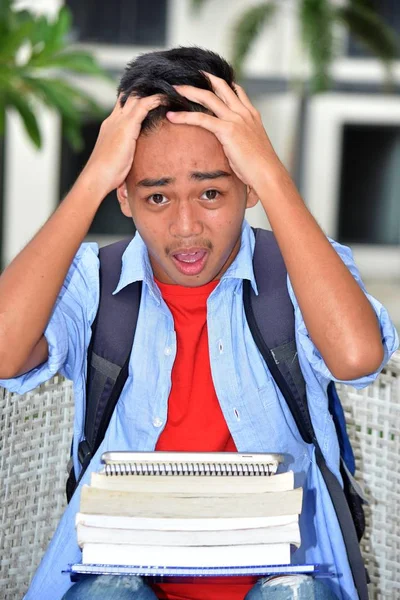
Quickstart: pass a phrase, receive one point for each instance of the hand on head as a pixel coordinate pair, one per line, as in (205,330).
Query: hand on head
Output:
(112,156)
(236,124)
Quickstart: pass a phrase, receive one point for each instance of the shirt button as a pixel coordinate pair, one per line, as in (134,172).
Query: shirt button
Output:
(167,351)
(157,422)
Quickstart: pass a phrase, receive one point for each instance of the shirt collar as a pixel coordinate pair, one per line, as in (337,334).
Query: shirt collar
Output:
(242,266)
(136,264)
(136,267)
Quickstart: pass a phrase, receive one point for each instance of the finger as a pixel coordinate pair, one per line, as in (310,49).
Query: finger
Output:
(143,106)
(118,105)
(207,99)
(198,119)
(243,97)
(223,90)
(132,100)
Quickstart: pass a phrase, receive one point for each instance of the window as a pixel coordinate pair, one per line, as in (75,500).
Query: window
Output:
(109,219)
(119,21)
(389,10)
(369,198)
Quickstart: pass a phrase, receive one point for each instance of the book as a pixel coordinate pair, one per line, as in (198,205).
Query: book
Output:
(172,505)
(186,556)
(193,524)
(288,533)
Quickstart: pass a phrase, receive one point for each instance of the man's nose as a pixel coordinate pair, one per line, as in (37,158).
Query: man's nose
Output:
(186,221)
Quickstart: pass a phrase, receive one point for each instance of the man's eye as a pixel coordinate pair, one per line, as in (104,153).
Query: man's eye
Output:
(156,199)
(211,194)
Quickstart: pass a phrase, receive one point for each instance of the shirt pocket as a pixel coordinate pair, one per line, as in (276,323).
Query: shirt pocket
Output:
(267,412)
(279,416)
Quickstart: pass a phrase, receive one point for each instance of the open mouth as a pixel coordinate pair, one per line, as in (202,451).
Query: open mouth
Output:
(190,262)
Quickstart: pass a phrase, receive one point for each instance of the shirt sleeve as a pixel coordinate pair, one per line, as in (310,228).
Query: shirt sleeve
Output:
(69,328)
(310,353)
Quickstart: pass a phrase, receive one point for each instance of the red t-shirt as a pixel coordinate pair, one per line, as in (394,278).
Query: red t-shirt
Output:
(195,420)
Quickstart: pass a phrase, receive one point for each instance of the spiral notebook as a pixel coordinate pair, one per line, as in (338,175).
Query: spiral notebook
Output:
(77,571)
(190,463)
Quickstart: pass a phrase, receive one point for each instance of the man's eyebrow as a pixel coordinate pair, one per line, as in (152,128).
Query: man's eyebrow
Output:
(196,175)
(148,182)
(203,175)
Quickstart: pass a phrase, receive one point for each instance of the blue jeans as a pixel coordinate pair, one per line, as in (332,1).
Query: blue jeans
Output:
(299,587)
(116,587)
(110,587)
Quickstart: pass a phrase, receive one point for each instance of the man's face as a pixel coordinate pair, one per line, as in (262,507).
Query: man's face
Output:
(186,203)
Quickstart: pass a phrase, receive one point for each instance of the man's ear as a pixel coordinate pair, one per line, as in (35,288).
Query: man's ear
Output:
(122,195)
(252,197)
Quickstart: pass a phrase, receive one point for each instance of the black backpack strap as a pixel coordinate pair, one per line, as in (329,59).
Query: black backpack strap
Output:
(270,317)
(112,337)
(276,335)
(113,331)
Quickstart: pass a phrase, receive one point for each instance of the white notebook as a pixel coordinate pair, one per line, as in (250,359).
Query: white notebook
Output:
(191,463)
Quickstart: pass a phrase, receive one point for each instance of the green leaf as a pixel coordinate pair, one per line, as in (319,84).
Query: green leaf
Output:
(75,61)
(17,102)
(247,29)
(62,25)
(11,42)
(370,30)
(5,9)
(23,15)
(41,32)
(50,37)
(69,100)
(83,101)
(22,83)
(9,73)
(316,19)
(56,32)
(54,95)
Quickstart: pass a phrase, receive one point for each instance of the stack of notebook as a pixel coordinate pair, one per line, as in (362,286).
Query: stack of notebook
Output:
(150,512)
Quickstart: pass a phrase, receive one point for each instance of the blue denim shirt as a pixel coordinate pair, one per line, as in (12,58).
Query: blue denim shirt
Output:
(254,409)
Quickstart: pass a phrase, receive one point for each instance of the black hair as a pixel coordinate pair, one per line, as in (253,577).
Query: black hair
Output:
(157,72)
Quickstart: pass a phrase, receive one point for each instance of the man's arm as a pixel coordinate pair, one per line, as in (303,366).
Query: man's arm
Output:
(338,316)
(31,283)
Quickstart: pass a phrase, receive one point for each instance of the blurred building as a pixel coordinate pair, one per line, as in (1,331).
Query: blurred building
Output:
(342,147)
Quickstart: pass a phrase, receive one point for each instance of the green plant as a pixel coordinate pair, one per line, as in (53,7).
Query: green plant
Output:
(34,57)
(317,19)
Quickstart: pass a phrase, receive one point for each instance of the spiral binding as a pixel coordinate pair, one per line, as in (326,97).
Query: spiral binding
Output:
(205,469)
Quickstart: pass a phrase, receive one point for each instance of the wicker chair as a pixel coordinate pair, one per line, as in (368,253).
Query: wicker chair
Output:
(35,438)
(373,423)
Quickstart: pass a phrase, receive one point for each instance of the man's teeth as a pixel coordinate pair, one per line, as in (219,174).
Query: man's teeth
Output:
(189,257)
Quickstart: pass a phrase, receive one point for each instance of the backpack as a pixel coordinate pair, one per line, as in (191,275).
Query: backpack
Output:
(270,317)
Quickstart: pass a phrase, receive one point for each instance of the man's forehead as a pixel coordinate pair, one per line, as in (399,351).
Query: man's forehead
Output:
(178,151)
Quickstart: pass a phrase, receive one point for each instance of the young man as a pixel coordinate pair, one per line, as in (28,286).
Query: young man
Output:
(187,153)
